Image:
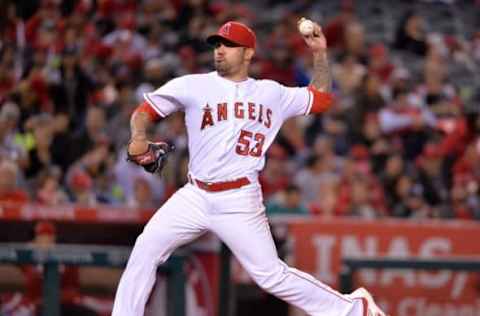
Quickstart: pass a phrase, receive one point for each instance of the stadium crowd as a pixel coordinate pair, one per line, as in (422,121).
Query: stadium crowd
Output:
(402,139)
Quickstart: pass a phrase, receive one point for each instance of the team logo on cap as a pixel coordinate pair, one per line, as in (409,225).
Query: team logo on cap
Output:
(226,29)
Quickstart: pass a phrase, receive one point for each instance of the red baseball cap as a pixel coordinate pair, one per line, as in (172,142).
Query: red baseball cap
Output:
(45,228)
(234,32)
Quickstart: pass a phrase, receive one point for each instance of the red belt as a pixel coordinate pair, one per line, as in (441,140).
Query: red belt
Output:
(220,186)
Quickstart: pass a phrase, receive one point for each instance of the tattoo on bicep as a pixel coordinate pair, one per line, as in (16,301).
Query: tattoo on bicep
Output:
(322,77)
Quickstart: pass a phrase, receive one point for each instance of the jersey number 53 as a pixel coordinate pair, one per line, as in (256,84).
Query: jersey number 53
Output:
(250,144)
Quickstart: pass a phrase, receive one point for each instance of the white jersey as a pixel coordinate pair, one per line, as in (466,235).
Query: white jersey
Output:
(230,125)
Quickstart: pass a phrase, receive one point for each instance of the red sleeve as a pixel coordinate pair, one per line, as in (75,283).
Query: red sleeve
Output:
(321,100)
(147,108)
(456,141)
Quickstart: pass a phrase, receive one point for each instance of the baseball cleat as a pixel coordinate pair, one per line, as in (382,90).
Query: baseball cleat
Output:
(369,306)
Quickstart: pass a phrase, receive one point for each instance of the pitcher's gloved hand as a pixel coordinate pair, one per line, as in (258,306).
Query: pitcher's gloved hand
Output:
(154,158)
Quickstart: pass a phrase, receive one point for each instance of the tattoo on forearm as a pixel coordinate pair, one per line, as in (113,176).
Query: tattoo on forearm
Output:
(139,124)
(322,78)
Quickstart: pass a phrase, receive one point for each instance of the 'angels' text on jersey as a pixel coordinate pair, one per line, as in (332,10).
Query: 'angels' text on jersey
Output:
(249,110)
(230,125)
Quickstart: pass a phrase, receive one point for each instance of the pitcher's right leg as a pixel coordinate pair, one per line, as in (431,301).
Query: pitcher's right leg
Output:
(180,220)
(248,235)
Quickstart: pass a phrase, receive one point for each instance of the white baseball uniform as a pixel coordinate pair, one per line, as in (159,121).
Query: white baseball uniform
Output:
(230,126)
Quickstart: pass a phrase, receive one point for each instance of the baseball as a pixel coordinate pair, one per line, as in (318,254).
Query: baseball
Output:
(306,27)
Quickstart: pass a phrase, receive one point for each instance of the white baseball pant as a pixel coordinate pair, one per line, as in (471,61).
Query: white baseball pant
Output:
(238,218)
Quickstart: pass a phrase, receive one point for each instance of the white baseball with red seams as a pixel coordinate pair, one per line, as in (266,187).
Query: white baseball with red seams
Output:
(230,126)
(306,27)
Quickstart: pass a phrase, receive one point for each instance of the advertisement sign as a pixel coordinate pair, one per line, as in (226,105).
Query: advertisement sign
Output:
(320,244)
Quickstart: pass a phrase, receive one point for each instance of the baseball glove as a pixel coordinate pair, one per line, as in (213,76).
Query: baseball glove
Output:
(154,159)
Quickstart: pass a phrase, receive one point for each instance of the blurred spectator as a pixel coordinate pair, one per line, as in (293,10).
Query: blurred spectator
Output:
(142,197)
(289,202)
(394,169)
(156,73)
(398,197)
(6,81)
(379,62)
(279,65)
(336,28)
(188,60)
(348,74)
(320,168)
(368,100)
(36,78)
(285,34)
(275,177)
(48,188)
(194,36)
(98,164)
(192,8)
(80,185)
(402,115)
(153,36)
(360,191)
(318,171)
(336,127)
(324,146)
(401,80)
(9,189)
(408,122)
(71,91)
(125,35)
(10,148)
(62,142)
(431,175)
(464,130)
(326,202)
(106,187)
(355,40)
(465,200)
(467,164)
(28,101)
(360,203)
(91,134)
(39,155)
(460,53)
(380,146)
(290,137)
(411,35)
(120,117)
(408,199)
(435,75)
(476,46)
(415,206)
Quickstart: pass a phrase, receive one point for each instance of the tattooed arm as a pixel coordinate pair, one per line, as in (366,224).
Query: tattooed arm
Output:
(322,78)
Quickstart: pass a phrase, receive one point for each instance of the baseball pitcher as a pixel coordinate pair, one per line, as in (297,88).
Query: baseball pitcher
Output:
(231,121)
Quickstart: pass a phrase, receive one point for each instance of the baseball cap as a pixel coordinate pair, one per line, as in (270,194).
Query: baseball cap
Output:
(44,228)
(235,32)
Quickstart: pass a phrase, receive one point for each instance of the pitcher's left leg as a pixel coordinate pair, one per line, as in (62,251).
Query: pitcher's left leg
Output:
(180,220)
(248,235)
